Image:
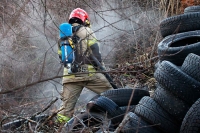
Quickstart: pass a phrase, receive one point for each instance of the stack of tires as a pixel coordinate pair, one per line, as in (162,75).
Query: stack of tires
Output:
(167,110)
(181,36)
(174,107)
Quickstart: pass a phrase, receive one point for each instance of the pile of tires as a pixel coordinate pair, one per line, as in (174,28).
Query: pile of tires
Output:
(106,111)
(174,106)
(181,35)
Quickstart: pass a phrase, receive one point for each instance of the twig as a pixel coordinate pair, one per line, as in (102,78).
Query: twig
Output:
(52,102)
(125,120)
(31,130)
(50,117)
(80,121)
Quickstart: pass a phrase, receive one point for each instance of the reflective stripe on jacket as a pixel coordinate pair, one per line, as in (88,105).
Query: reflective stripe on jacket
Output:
(77,77)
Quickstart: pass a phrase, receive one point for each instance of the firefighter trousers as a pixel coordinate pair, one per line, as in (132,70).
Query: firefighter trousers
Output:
(72,90)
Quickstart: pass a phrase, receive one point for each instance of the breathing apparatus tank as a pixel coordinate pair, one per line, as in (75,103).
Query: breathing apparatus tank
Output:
(66,45)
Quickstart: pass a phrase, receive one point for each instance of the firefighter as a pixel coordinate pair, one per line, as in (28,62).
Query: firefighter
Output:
(82,73)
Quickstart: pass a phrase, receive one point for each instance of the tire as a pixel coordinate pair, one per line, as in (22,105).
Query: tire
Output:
(156,65)
(191,66)
(153,113)
(122,96)
(126,109)
(105,105)
(173,105)
(175,48)
(136,124)
(177,82)
(191,122)
(191,9)
(91,122)
(180,23)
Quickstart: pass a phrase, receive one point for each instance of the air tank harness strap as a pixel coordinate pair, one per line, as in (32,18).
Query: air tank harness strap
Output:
(70,42)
